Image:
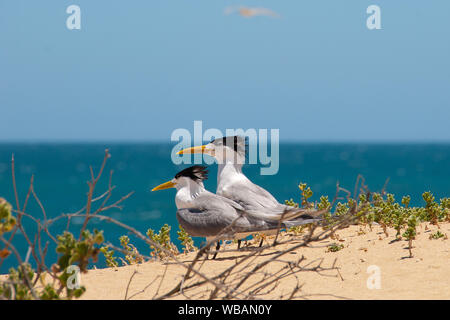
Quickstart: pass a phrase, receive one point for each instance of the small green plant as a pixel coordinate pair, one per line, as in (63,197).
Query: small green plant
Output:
(163,239)
(7,221)
(365,214)
(445,205)
(406,200)
(334,247)
(132,256)
(432,209)
(437,235)
(341,209)
(324,204)
(291,203)
(399,216)
(76,252)
(306,194)
(186,240)
(410,233)
(298,230)
(20,283)
(17,285)
(109,256)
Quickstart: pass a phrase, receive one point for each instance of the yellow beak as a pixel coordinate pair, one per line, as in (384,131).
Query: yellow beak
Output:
(199,149)
(165,185)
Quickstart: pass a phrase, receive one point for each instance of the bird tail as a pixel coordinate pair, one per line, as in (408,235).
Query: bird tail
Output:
(287,214)
(302,214)
(309,216)
(299,222)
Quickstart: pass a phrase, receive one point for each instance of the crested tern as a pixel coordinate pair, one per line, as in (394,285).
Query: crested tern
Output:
(232,183)
(205,214)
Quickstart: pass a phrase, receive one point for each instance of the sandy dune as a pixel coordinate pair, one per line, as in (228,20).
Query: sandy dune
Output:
(425,276)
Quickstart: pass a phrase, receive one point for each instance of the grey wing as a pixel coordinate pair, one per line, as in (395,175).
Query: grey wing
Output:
(249,195)
(199,223)
(260,204)
(231,202)
(210,216)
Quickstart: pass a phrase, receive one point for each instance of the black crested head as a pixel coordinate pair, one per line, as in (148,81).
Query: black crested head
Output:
(237,143)
(196,173)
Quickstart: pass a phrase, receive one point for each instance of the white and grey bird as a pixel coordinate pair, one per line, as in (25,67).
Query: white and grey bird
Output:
(232,183)
(205,214)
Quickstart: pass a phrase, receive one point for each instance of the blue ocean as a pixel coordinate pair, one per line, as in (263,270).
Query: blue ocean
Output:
(62,170)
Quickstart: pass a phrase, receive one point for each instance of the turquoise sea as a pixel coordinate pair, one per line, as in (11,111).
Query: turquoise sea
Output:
(61,171)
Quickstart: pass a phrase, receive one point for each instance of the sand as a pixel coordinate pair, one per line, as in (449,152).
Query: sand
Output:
(365,254)
(424,276)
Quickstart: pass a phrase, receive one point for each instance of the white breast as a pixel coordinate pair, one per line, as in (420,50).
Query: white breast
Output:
(228,176)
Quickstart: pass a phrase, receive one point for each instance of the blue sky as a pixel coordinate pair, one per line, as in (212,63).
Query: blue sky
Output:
(137,70)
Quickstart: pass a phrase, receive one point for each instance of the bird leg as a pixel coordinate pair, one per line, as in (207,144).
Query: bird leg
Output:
(217,250)
(261,242)
(239,243)
(206,253)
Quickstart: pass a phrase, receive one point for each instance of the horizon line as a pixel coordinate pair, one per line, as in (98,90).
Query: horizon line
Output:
(160,141)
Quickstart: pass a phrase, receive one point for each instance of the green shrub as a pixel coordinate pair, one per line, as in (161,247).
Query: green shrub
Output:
(111,261)
(7,221)
(186,240)
(163,239)
(334,247)
(132,255)
(437,235)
